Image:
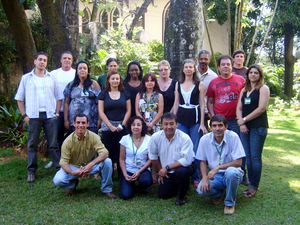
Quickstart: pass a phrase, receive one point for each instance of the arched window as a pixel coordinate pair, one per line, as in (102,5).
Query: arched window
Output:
(104,19)
(115,17)
(164,19)
(85,20)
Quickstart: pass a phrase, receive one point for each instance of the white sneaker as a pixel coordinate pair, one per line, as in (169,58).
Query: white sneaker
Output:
(50,164)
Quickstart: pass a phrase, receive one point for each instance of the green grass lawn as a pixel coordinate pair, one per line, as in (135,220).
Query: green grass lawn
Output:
(276,202)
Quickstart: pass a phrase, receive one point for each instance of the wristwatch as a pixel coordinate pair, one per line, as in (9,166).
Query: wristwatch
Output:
(24,116)
(168,168)
(245,119)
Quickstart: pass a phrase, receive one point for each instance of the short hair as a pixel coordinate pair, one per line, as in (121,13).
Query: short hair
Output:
(120,87)
(143,88)
(130,122)
(81,115)
(40,53)
(66,52)
(218,118)
(260,81)
(204,52)
(169,115)
(196,79)
(239,51)
(140,77)
(165,63)
(111,60)
(224,57)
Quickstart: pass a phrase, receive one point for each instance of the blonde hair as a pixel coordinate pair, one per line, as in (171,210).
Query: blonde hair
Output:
(165,63)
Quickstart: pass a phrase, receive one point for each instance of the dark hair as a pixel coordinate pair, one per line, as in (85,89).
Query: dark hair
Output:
(81,115)
(168,115)
(66,52)
(196,79)
(204,52)
(224,57)
(239,51)
(259,83)
(40,53)
(140,77)
(111,60)
(88,81)
(130,121)
(143,88)
(218,118)
(120,87)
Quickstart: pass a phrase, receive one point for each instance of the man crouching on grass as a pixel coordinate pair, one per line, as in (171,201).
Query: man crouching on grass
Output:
(79,159)
(222,150)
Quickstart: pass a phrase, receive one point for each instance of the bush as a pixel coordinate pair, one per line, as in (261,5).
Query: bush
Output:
(274,76)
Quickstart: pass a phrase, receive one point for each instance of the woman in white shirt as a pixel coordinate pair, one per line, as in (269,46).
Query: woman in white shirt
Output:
(134,161)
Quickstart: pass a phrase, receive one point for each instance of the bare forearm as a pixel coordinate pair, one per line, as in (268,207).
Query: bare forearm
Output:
(156,164)
(203,169)
(21,106)
(58,106)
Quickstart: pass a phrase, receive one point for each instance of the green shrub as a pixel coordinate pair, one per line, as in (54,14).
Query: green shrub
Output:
(274,79)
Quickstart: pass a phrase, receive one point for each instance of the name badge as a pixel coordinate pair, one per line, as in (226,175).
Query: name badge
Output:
(220,162)
(147,115)
(247,101)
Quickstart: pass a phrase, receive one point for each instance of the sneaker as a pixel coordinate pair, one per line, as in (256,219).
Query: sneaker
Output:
(217,201)
(110,195)
(31,178)
(229,210)
(49,165)
(195,184)
(72,192)
(181,201)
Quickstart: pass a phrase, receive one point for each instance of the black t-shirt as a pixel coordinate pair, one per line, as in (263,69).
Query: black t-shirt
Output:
(115,110)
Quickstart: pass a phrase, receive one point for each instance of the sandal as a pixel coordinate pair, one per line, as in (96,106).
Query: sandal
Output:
(250,194)
(247,190)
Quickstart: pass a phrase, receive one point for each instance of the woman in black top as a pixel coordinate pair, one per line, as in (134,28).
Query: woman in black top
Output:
(114,110)
(252,119)
(166,85)
(132,82)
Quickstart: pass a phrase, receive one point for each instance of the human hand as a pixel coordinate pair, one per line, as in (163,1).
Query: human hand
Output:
(67,124)
(26,119)
(136,175)
(160,180)
(163,172)
(212,173)
(244,129)
(205,186)
(128,178)
(240,121)
(113,128)
(203,128)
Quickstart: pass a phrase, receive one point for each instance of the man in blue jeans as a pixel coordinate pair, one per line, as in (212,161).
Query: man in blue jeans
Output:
(43,99)
(222,150)
(79,159)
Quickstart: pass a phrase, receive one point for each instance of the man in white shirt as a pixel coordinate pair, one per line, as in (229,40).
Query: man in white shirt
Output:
(171,152)
(64,75)
(39,88)
(222,151)
(206,75)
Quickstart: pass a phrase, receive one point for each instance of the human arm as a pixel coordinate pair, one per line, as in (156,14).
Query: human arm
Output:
(22,110)
(66,113)
(122,163)
(104,117)
(262,105)
(176,101)
(205,183)
(156,164)
(137,107)
(58,106)
(239,109)
(210,105)
(234,163)
(136,175)
(202,108)
(128,112)
(86,170)
(95,85)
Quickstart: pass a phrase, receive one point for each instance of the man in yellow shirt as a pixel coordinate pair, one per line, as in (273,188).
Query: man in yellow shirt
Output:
(79,159)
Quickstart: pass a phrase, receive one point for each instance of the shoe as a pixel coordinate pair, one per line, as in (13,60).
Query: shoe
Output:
(250,193)
(218,201)
(72,192)
(49,165)
(181,201)
(229,210)
(31,178)
(195,184)
(245,182)
(110,195)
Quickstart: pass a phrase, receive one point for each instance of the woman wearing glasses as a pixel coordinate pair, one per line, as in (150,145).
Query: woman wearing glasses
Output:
(166,85)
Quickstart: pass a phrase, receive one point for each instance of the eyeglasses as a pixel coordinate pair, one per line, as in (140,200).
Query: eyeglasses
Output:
(163,70)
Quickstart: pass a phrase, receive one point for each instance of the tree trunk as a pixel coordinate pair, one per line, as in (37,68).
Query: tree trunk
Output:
(289,60)
(71,13)
(184,33)
(235,26)
(56,27)
(95,11)
(229,27)
(141,11)
(21,32)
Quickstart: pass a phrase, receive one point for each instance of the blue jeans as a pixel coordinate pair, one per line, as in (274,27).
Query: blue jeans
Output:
(34,130)
(253,144)
(60,131)
(192,131)
(65,180)
(229,180)
(127,188)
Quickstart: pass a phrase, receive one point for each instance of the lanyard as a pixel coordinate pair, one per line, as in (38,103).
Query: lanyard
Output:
(220,152)
(148,102)
(134,153)
(204,76)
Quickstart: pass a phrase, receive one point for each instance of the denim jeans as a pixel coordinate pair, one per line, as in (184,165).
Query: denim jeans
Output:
(127,188)
(34,130)
(60,131)
(229,180)
(253,144)
(65,180)
(192,131)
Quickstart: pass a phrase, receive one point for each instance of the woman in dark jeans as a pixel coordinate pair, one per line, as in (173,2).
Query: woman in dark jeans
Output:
(252,119)
(114,110)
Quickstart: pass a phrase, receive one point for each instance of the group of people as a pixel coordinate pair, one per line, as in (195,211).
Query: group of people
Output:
(153,129)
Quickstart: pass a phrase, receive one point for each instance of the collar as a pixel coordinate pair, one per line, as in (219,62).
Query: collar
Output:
(85,135)
(213,141)
(165,136)
(46,73)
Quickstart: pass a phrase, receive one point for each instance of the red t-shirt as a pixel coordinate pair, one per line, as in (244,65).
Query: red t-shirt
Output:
(226,94)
